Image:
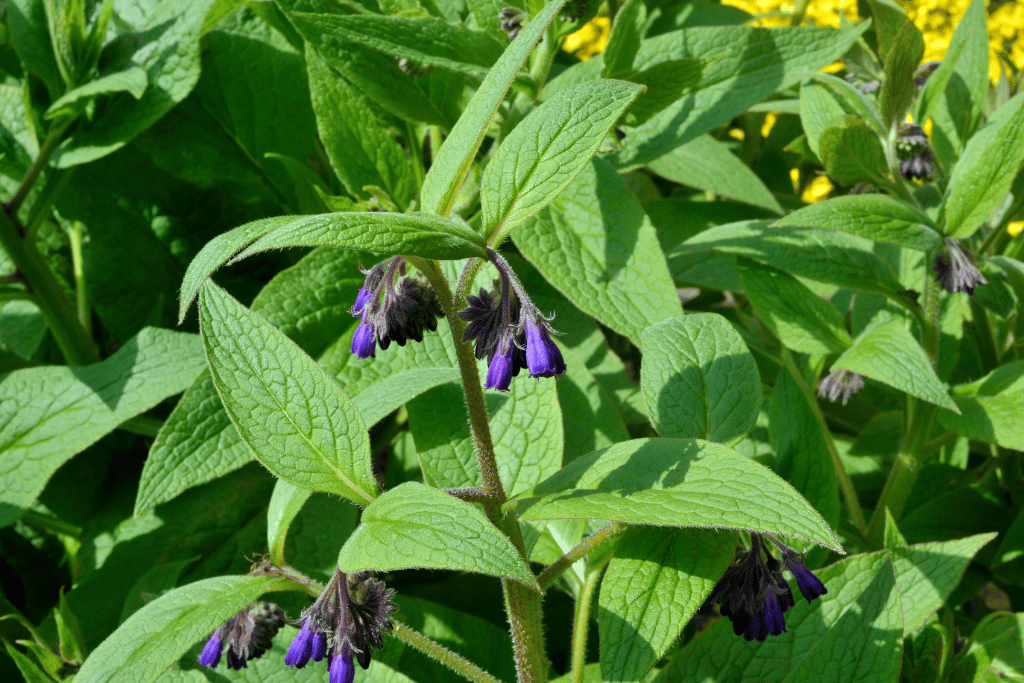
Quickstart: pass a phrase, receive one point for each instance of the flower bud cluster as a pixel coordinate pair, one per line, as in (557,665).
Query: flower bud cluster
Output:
(390,311)
(956,270)
(755,595)
(915,156)
(510,331)
(247,635)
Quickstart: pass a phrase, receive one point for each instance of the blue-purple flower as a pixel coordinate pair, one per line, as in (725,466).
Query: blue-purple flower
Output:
(392,311)
(955,269)
(754,594)
(348,620)
(247,635)
(510,331)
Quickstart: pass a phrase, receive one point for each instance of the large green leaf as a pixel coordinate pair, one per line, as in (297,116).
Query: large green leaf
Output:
(823,255)
(675,482)
(379,233)
(30,37)
(547,150)
(875,216)
(986,170)
(157,635)
(757,63)
(293,416)
(430,40)
(699,380)
(901,52)
(413,525)
(925,576)
(169,54)
(72,103)
(444,179)
(361,151)
(865,644)
(995,419)
(706,164)
(656,582)
(48,414)
(890,354)
(596,245)
(801,320)
(624,39)
(852,153)
(590,418)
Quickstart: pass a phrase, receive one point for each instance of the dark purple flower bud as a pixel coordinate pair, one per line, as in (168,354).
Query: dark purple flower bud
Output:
(914,154)
(319,649)
(364,341)
(342,668)
(361,298)
(773,613)
(499,372)
(923,72)
(212,650)
(956,271)
(840,384)
(543,358)
(301,649)
(512,19)
(810,585)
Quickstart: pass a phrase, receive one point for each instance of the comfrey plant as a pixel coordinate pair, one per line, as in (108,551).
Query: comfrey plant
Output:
(503,452)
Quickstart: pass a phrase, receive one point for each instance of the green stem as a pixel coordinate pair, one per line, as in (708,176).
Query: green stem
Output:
(58,312)
(55,184)
(81,289)
(440,653)
(436,138)
(899,184)
(15,295)
(581,624)
(543,57)
(45,152)
(142,425)
(930,309)
(845,483)
(584,548)
(416,152)
(799,10)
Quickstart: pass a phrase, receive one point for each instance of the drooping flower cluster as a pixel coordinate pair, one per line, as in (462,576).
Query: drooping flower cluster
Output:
(914,154)
(512,19)
(840,384)
(248,635)
(755,595)
(956,270)
(510,331)
(390,311)
(348,621)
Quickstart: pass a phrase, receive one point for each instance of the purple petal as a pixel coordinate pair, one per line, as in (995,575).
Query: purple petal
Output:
(543,359)
(319,650)
(364,341)
(300,650)
(212,651)
(343,669)
(499,372)
(361,298)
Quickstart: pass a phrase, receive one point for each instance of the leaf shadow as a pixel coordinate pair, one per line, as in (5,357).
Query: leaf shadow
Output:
(109,378)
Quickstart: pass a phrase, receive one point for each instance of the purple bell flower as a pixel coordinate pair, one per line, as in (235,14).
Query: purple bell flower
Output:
(543,359)
(499,372)
(300,651)
(212,650)
(361,298)
(364,341)
(342,668)
(810,585)
(319,649)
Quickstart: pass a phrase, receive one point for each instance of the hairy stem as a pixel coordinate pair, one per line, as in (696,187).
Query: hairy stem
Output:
(440,653)
(930,312)
(81,288)
(581,623)
(845,483)
(47,149)
(584,548)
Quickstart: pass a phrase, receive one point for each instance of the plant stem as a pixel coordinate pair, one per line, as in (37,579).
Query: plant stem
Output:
(581,623)
(845,483)
(435,142)
(81,290)
(543,56)
(15,295)
(588,544)
(416,152)
(55,184)
(799,10)
(142,425)
(930,309)
(440,653)
(45,152)
(58,312)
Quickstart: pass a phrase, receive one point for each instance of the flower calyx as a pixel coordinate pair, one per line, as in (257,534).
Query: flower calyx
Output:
(955,269)
(247,635)
(510,331)
(392,307)
(915,155)
(840,385)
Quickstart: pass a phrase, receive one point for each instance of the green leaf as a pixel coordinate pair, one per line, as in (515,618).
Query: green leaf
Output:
(380,233)
(29,35)
(901,54)
(547,150)
(161,632)
(699,380)
(822,255)
(445,177)
(430,40)
(666,82)
(802,456)
(28,669)
(993,419)
(866,643)
(413,525)
(890,354)
(156,581)
(657,580)
(986,170)
(874,216)
(706,164)
(936,84)
(624,39)
(675,482)
(958,110)
(819,110)
(69,632)
(53,412)
(361,151)
(925,576)
(851,100)
(132,80)
(285,504)
(295,418)
(596,245)
(22,328)
(171,61)
(801,320)
(589,415)
(853,154)
(768,60)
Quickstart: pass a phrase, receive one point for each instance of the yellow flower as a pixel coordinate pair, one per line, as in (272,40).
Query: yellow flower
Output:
(769,121)
(590,39)
(817,190)
(1014,228)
